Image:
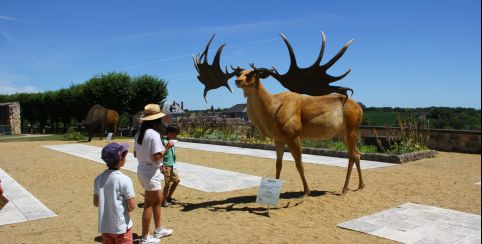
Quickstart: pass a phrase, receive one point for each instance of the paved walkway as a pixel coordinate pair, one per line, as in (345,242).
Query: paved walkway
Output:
(416,223)
(307,158)
(193,176)
(23,206)
(24,136)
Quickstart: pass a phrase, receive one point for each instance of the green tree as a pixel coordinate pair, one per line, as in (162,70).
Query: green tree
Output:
(78,103)
(146,89)
(112,90)
(51,107)
(4,98)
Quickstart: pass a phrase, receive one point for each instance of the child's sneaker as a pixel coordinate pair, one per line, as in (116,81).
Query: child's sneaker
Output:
(161,232)
(150,239)
(166,204)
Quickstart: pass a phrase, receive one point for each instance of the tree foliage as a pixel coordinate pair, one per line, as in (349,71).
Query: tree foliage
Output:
(436,117)
(114,90)
(147,89)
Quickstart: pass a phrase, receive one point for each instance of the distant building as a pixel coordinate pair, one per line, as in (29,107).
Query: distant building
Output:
(236,111)
(173,109)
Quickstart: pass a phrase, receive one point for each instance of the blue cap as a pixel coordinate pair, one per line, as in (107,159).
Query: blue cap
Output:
(112,152)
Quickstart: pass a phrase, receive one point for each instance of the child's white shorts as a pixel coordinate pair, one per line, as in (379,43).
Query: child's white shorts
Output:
(149,176)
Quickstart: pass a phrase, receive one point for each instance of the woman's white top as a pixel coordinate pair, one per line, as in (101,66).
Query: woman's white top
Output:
(151,144)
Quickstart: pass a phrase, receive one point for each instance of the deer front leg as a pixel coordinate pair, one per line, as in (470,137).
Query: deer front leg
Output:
(348,173)
(102,130)
(280,148)
(295,148)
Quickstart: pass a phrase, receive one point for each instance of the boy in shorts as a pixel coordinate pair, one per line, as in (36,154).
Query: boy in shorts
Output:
(114,196)
(171,178)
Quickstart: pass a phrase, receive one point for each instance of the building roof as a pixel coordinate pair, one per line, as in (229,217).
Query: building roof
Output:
(238,108)
(172,108)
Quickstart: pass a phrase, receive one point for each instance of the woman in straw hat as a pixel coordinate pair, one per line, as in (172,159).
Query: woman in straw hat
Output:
(149,152)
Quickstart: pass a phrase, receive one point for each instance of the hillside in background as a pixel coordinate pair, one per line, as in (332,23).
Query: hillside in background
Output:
(436,117)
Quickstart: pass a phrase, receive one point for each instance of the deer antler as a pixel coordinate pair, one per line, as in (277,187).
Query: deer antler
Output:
(212,76)
(312,80)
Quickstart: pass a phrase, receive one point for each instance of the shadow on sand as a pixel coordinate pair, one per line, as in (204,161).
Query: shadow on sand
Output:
(135,237)
(229,204)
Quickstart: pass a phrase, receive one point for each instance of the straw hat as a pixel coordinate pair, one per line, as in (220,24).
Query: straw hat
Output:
(152,112)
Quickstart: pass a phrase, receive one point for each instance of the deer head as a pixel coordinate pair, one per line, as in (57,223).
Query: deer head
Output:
(312,80)
(248,80)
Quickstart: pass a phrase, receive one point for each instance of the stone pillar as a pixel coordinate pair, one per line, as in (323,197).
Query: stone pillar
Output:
(14,113)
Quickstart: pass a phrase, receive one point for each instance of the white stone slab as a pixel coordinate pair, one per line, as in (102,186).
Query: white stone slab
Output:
(307,158)
(416,223)
(23,206)
(193,176)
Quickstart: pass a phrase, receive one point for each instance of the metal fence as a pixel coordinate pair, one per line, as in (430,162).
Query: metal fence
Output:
(5,130)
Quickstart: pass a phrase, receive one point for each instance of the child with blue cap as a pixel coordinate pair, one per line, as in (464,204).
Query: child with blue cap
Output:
(114,196)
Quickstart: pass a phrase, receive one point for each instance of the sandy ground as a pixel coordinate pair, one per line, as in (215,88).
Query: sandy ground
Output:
(64,184)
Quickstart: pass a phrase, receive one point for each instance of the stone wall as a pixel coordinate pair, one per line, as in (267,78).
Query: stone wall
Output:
(442,140)
(13,117)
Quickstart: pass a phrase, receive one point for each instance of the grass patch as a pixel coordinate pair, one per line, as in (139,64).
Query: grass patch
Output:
(54,137)
(338,145)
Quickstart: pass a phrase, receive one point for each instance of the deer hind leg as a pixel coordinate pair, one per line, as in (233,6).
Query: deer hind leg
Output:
(295,149)
(280,149)
(353,158)
(348,173)
(361,184)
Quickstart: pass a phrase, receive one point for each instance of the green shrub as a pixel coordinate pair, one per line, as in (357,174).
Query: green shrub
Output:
(74,136)
(411,136)
(368,148)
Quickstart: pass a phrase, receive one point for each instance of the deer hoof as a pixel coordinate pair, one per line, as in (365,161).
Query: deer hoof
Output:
(360,187)
(344,191)
(307,193)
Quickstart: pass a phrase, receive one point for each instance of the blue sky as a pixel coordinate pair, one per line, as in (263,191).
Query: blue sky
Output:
(405,54)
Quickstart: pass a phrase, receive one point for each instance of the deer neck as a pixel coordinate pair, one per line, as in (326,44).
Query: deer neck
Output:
(259,97)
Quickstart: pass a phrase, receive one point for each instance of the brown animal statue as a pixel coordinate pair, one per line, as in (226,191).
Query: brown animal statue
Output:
(99,119)
(289,117)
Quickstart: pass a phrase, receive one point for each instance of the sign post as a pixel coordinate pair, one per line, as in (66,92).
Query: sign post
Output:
(269,191)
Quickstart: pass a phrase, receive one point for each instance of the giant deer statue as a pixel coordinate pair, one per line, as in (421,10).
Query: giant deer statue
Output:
(99,119)
(323,113)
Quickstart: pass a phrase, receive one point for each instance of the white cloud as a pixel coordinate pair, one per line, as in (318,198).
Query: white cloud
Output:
(6,36)
(3,17)
(7,87)
(190,55)
(158,61)
(239,28)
